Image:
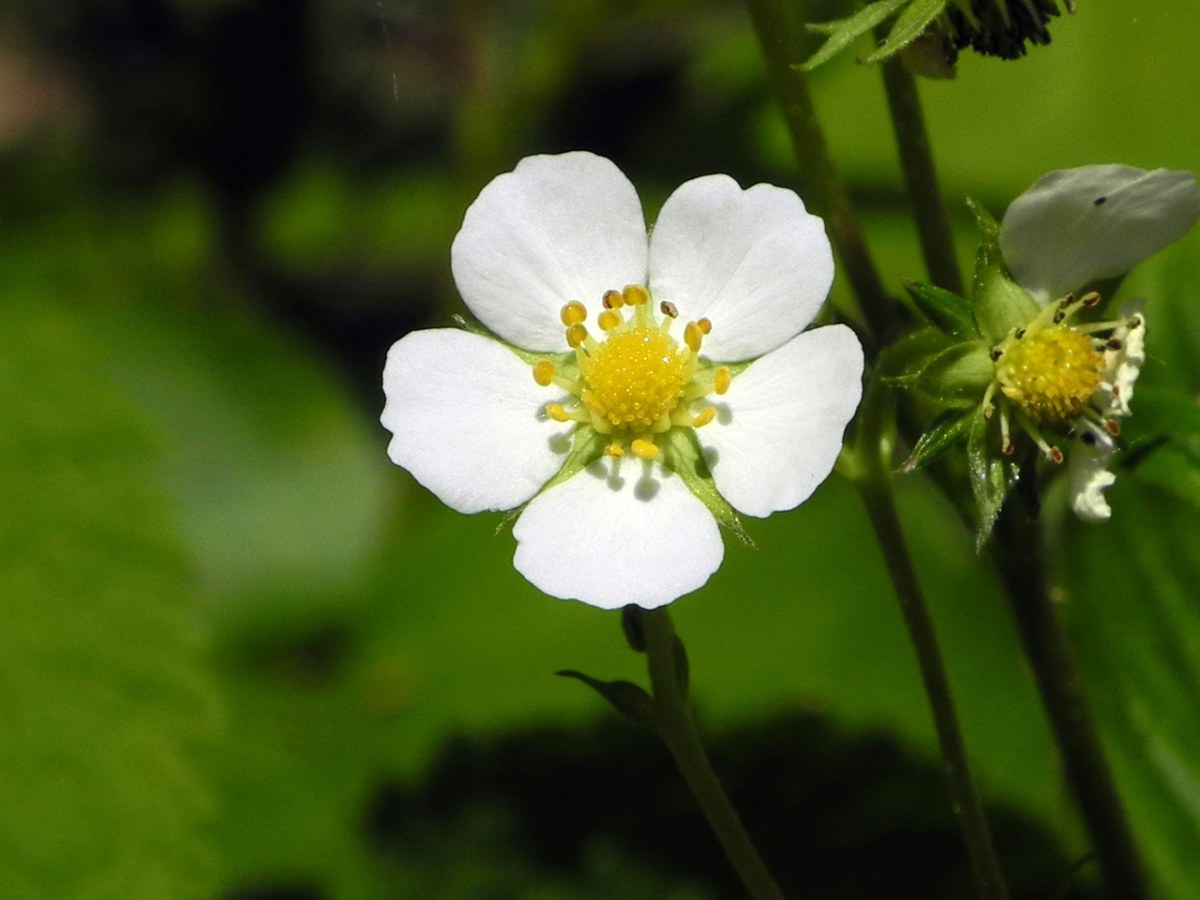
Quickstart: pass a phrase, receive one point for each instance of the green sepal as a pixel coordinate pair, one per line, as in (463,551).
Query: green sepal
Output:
(631,701)
(587,446)
(683,456)
(958,376)
(999,303)
(950,313)
(843,32)
(949,429)
(910,26)
(991,477)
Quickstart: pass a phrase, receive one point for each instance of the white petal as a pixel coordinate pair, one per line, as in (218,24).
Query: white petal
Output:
(555,229)
(1081,225)
(1088,476)
(754,262)
(619,532)
(1122,366)
(468,420)
(779,430)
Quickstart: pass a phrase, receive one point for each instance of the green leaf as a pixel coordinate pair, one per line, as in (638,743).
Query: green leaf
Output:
(845,31)
(992,476)
(950,428)
(106,702)
(949,312)
(911,24)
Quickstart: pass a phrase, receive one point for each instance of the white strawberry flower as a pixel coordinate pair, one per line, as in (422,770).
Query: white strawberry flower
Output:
(695,393)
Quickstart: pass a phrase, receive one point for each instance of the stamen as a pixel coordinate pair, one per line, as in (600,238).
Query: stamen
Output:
(693,336)
(543,372)
(557,412)
(669,309)
(573,313)
(635,295)
(576,333)
(704,325)
(614,450)
(612,300)
(644,449)
(1091,298)
(703,417)
(609,319)
(722,380)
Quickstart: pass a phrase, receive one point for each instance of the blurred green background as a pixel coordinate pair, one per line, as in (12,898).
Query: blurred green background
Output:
(245,657)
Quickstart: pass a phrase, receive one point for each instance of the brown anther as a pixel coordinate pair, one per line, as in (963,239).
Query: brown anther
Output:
(1008,448)
(669,309)
(1114,343)
(989,410)
(1091,298)
(1059,315)
(1112,426)
(1056,456)
(1020,333)
(1135,322)
(996,353)
(612,300)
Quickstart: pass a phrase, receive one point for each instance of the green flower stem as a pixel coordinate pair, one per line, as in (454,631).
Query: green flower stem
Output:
(870,473)
(781,39)
(1017,548)
(675,725)
(916,160)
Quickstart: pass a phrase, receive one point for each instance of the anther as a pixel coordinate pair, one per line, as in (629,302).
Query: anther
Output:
(1009,448)
(612,300)
(1056,455)
(1020,334)
(643,449)
(576,334)
(703,417)
(996,353)
(573,313)
(722,380)
(669,309)
(1112,426)
(543,372)
(608,320)
(1091,298)
(1135,322)
(557,412)
(635,295)
(1059,315)
(693,335)
(1114,343)
(704,325)
(616,451)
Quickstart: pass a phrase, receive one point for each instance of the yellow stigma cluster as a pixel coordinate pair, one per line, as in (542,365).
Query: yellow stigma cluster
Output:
(637,381)
(1051,371)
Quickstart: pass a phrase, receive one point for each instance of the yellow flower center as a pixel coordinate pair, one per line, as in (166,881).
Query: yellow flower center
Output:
(1052,373)
(638,381)
(635,378)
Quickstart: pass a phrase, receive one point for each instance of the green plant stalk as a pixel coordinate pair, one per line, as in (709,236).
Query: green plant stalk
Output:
(1017,550)
(873,480)
(677,729)
(781,40)
(916,161)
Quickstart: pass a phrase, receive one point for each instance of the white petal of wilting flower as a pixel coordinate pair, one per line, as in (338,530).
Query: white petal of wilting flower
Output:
(1078,226)
(606,411)
(1087,471)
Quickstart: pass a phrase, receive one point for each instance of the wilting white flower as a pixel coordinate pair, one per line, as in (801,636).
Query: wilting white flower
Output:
(1074,228)
(627,440)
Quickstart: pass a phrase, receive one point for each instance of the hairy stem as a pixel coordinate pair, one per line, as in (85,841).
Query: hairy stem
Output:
(782,42)
(675,725)
(1017,549)
(916,160)
(874,484)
